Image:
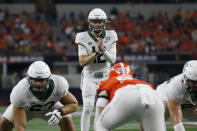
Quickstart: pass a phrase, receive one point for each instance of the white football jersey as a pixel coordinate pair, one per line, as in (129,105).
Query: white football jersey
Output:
(21,96)
(175,89)
(87,45)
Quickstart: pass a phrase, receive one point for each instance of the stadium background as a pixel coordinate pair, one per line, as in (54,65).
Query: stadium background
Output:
(156,37)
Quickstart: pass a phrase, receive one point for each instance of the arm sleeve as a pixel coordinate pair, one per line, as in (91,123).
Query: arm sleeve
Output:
(115,36)
(110,55)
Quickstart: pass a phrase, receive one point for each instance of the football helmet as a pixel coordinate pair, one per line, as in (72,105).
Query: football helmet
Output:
(38,75)
(120,69)
(97,20)
(190,77)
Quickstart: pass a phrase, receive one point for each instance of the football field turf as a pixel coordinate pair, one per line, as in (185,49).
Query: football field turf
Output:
(41,125)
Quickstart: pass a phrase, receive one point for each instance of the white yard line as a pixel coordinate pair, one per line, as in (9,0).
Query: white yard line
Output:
(75,114)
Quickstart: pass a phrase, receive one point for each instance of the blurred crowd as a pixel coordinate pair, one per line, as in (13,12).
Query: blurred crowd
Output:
(35,34)
(26,33)
(156,34)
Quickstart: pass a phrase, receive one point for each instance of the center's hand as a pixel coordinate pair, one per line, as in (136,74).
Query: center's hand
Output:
(100,44)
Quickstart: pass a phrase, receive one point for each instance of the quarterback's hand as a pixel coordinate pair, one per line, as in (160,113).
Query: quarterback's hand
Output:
(100,44)
(56,116)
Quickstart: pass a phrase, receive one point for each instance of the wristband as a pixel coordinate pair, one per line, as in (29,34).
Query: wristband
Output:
(61,111)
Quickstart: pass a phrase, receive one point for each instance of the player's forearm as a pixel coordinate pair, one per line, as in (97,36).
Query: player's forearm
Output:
(176,117)
(69,108)
(108,56)
(19,118)
(70,104)
(20,128)
(175,112)
(85,60)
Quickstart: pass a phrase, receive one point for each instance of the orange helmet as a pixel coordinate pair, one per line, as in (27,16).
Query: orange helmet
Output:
(120,69)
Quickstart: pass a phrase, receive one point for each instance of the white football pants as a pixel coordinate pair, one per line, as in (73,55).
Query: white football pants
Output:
(128,105)
(89,84)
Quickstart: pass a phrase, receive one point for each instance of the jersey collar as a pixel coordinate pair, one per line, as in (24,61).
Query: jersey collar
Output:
(44,97)
(94,38)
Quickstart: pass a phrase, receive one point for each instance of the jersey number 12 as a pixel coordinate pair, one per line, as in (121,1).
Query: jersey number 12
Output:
(98,58)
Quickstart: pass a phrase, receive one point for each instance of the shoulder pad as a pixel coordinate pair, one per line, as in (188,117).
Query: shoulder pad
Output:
(63,85)
(113,34)
(79,37)
(17,95)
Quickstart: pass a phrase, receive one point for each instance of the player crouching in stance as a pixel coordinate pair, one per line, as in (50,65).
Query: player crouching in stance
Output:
(121,98)
(179,95)
(40,95)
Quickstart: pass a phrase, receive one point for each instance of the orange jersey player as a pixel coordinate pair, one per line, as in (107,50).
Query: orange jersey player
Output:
(112,84)
(122,98)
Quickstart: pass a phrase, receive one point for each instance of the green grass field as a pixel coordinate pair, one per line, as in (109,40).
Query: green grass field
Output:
(41,125)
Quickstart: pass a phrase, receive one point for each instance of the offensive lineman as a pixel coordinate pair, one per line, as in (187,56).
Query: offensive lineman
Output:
(179,95)
(121,98)
(97,52)
(40,95)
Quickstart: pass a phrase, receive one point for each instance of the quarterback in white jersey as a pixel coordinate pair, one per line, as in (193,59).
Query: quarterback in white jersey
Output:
(40,95)
(97,52)
(179,95)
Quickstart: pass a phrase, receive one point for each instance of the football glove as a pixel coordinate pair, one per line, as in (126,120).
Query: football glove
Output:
(56,116)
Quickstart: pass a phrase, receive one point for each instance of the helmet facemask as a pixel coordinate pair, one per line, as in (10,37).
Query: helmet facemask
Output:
(39,85)
(190,78)
(192,88)
(97,25)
